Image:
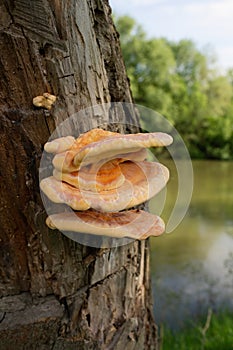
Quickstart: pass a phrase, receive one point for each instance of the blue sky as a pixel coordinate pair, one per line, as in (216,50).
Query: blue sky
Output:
(207,22)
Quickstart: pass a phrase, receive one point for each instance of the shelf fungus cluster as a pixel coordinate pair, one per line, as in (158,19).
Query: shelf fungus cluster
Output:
(100,176)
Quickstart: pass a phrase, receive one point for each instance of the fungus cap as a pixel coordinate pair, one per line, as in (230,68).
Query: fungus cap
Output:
(136,224)
(98,145)
(95,177)
(143,180)
(45,101)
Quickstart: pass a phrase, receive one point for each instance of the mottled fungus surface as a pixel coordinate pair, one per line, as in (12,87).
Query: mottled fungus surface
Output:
(99,145)
(101,173)
(142,181)
(95,177)
(136,224)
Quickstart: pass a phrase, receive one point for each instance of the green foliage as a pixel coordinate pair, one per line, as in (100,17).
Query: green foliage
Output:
(180,82)
(218,336)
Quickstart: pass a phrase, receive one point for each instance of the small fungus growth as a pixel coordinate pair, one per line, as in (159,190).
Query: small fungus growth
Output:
(100,176)
(45,101)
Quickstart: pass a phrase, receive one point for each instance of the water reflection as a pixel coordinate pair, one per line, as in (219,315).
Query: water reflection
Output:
(192,266)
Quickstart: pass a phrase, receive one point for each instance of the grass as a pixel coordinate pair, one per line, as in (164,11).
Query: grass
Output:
(214,333)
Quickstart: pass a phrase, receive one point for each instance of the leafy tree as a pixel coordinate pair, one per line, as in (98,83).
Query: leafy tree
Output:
(149,63)
(181,82)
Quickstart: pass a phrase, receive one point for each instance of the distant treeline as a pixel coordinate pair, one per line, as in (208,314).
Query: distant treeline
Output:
(183,84)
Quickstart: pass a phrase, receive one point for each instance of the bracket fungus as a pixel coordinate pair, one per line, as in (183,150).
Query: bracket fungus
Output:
(45,101)
(97,147)
(142,181)
(100,176)
(135,224)
(94,177)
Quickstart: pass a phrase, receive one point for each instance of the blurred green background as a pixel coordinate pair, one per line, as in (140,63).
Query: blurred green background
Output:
(184,85)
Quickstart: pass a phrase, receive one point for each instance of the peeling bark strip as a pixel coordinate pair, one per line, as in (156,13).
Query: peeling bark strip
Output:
(55,293)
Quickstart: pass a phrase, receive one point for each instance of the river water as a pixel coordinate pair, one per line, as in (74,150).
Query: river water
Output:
(192,267)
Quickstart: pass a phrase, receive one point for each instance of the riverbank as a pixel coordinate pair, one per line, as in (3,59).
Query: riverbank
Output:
(215,332)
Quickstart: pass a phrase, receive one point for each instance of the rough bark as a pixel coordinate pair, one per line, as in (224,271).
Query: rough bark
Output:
(55,293)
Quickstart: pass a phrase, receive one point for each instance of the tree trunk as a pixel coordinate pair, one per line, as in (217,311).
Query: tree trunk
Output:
(55,293)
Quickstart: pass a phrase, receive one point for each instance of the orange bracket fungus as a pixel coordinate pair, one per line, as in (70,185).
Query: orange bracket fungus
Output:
(121,224)
(100,176)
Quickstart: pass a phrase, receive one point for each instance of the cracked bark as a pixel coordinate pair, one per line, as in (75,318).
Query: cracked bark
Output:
(55,293)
